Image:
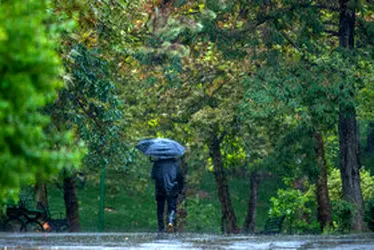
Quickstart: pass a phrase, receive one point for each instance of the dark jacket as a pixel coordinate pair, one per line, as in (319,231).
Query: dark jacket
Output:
(168,177)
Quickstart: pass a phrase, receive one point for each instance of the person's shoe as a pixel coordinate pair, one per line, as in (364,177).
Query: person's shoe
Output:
(170,227)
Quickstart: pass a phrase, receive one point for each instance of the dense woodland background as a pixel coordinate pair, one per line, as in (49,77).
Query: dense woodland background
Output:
(272,99)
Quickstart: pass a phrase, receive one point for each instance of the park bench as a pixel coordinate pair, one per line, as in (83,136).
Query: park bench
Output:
(22,219)
(273,225)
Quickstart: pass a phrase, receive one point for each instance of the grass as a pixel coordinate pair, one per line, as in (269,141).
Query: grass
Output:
(239,191)
(127,210)
(124,212)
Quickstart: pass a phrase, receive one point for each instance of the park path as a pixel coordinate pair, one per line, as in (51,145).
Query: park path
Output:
(77,241)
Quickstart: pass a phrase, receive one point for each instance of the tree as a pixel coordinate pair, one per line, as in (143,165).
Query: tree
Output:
(315,44)
(89,102)
(29,79)
(204,105)
(196,82)
(95,60)
(193,56)
(348,132)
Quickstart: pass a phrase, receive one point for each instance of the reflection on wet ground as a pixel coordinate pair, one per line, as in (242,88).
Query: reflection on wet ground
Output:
(111,241)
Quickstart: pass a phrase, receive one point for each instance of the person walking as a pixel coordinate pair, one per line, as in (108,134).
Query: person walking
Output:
(169,183)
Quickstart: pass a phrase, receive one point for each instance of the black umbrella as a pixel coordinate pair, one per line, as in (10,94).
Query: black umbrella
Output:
(161,148)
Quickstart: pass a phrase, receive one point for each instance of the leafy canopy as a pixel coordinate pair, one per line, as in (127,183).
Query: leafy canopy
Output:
(29,79)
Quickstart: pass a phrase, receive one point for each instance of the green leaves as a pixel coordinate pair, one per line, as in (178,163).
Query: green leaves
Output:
(29,80)
(293,204)
(335,185)
(91,104)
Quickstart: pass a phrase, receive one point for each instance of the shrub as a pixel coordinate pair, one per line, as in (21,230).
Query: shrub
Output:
(369,218)
(293,204)
(342,215)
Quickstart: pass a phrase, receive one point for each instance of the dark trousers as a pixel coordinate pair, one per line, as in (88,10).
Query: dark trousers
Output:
(172,208)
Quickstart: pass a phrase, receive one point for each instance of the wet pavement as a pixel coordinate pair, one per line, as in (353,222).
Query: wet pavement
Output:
(111,241)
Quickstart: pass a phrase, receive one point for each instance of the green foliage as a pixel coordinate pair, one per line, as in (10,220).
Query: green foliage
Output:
(233,153)
(367,184)
(342,215)
(335,184)
(293,204)
(332,150)
(262,76)
(200,216)
(343,210)
(29,79)
(90,104)
(365,98)
(369,218)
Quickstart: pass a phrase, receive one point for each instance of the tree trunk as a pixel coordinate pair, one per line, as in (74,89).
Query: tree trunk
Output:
(348,132)
(71,203)
(250,220)
(322,192)
(41,196)
(350,166)
(228,219)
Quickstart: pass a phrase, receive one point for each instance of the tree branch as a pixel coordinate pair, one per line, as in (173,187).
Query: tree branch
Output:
(261,19)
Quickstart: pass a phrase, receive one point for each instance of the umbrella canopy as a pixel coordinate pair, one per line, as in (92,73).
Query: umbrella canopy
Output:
(161,148)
